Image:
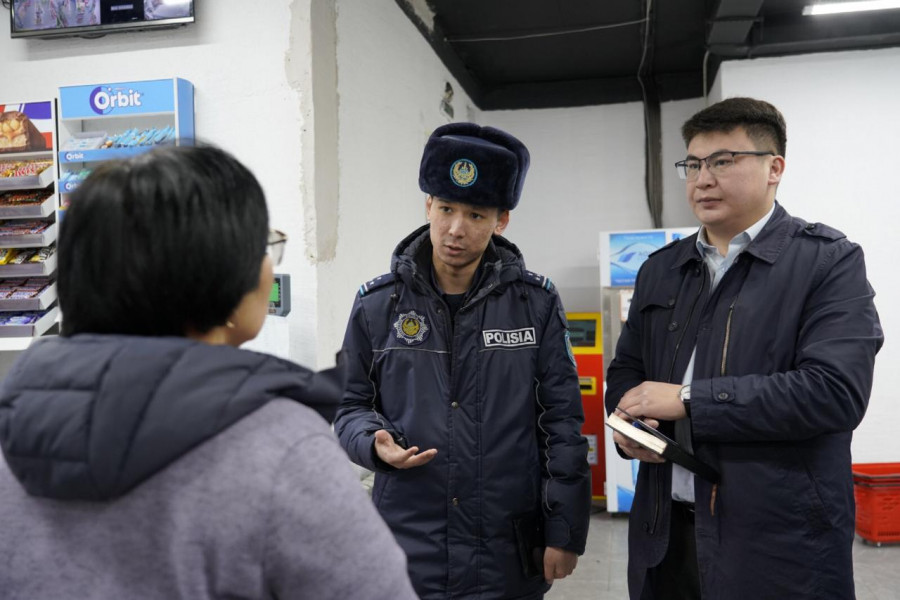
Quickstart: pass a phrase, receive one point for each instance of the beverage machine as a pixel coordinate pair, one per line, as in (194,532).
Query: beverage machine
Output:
(621,254)
(586,337)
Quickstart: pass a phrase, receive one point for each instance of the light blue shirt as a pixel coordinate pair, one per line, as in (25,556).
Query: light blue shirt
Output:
(718,265)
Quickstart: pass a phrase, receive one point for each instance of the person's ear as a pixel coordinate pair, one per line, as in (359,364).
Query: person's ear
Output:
(502,222)
(776,170)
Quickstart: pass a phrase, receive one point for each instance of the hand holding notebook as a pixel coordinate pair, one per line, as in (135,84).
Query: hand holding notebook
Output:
(655,441)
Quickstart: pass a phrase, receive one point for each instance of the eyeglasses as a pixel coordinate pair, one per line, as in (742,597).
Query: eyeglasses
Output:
(275,246)
(717,163)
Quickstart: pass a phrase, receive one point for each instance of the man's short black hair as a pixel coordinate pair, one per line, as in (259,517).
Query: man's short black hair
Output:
(763,122)
(161,244)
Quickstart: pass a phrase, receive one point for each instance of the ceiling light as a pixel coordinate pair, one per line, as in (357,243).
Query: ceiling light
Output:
(831,8)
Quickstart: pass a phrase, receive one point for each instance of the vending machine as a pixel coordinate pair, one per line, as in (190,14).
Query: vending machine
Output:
(586,337)
(621,254)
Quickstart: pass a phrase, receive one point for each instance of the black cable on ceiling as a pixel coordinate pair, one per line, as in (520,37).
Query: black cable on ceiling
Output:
(652,122)
(538,34)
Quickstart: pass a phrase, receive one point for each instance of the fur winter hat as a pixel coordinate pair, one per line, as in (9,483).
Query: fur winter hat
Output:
(464,162)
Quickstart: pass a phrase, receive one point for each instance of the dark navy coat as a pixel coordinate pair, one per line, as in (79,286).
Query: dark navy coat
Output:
(496,393)
(785,352)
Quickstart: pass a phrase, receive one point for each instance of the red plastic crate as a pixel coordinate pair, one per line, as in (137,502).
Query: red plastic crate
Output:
(876,472)
(876,488)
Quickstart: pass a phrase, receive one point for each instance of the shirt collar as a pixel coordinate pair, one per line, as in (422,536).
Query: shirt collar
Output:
(741,239)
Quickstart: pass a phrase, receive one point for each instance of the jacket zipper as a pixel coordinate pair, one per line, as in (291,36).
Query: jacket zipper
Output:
(727,337)
(722,371)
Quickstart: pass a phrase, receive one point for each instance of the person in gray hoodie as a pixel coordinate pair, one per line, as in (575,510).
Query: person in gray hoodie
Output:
(145,454)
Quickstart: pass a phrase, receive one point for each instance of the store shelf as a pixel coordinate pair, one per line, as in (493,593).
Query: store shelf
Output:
(41,269)
(19,337)
(34,182)
(68,187)
(30,240)
(40,302)
(67,157)
(29,211)
(33,155)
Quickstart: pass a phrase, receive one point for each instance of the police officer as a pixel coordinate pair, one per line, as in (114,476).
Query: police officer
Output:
(462,394)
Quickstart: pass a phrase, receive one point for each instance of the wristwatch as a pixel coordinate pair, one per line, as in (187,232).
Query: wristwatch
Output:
(684,394)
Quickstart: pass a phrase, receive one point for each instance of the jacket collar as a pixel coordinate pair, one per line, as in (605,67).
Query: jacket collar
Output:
(501,263)
(767,246)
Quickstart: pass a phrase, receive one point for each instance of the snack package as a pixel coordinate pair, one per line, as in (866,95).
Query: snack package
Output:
(18,133)
(19,318)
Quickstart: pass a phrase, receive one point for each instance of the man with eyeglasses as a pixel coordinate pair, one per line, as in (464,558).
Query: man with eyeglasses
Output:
(752,343)
(462,392)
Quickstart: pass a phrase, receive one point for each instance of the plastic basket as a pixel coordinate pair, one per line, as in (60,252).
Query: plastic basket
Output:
(876,472)
(876,488)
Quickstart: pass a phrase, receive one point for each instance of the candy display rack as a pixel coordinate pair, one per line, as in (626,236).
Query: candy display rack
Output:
(37,324)
(100,122)
(28,222)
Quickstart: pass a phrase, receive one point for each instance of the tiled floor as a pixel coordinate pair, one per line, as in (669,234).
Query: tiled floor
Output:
(601,571)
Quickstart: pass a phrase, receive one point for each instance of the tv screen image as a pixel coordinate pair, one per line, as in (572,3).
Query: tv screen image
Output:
(35,15)
(58,18)
(160,9)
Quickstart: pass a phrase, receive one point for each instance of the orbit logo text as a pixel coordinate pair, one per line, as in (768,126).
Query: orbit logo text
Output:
(104,100)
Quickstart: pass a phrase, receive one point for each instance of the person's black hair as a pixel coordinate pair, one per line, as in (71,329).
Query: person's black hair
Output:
(162,244)
(763,123)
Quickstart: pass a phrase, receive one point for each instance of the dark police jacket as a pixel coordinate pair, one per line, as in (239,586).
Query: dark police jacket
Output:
(785,352)
(495,392)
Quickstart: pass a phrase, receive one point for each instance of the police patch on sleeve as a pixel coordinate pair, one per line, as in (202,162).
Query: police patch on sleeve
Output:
(411,328)
(569,349)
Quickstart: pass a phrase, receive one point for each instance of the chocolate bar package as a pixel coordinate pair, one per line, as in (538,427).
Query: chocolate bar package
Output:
(18,133)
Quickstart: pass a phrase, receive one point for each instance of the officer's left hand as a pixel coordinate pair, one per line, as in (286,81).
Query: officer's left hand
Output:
(655,400)
(397,456)
(558,563)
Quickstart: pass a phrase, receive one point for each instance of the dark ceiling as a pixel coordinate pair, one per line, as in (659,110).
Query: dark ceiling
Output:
(511,54)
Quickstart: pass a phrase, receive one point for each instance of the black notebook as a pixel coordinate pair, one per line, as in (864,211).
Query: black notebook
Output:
(653,440)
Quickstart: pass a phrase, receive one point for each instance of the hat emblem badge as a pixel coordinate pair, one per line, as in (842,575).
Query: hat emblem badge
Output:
(463,172)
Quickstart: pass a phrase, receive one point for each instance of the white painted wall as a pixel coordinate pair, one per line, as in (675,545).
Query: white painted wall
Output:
(390,84)
(586,173)
(587,176)
(843,125)
(244,102)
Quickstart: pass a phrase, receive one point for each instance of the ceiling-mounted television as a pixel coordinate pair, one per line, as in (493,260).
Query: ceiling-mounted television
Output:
(90,18)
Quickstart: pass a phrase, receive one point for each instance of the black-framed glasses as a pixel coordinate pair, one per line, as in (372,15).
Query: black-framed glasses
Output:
(717,163)
(275,246)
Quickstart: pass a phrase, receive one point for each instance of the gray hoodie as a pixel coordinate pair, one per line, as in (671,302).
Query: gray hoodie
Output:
(165,468)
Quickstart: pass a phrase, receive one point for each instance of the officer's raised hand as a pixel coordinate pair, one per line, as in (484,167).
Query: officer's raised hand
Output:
(397,456)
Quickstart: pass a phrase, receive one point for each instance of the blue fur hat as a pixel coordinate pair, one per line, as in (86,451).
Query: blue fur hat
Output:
(464,162)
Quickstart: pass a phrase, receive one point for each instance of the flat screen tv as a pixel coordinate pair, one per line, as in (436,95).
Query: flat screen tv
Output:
(89,18)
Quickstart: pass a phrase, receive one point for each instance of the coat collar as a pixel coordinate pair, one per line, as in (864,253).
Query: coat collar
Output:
(502,262)
(767,246)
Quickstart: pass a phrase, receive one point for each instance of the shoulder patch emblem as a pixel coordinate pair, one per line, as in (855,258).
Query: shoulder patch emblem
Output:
(463,172)
(411,328)
(569,350)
